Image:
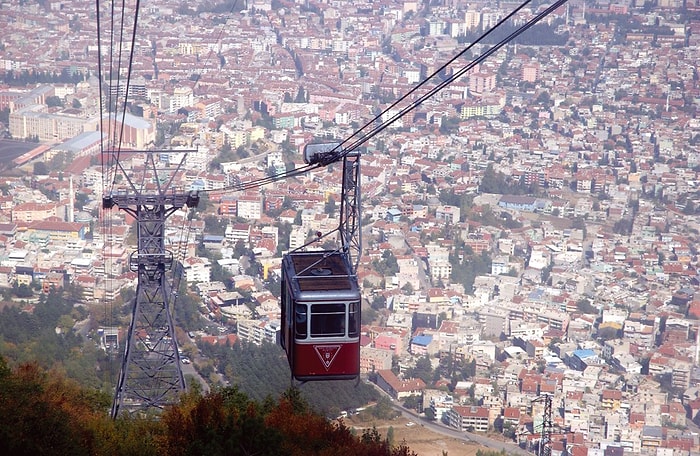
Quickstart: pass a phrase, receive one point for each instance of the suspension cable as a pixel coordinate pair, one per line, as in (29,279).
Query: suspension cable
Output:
(339,151)
(218,38)
(436,73)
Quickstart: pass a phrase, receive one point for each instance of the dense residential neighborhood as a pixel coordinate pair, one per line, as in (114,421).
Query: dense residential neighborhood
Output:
(528,231)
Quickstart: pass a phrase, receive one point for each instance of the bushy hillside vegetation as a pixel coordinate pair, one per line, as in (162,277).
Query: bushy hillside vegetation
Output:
(44,413)
(260,371)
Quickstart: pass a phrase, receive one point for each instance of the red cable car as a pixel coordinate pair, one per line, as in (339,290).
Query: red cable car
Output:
(320,315)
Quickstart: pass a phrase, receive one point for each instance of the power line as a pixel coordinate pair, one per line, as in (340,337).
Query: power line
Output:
(425,81)
(357,138)
(151,376)
(456,75)
(342,149)
(110,105)
(218,38)
(128,77)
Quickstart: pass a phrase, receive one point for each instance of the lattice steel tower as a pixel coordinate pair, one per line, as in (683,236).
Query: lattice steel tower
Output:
(545,447)
(350,232)
(150,375)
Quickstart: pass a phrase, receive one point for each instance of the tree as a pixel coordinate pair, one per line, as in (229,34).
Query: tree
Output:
(493,182)
(301,95)
(585,306)
(378,302)
(544,98)
(413,402)
(689,208)
(330,207)
(472,265)
(423,370)
(390,436)
(509,430)
(80,200)
(215,225)
(22,291)
(388,265)
(31,399)
(608,333)
(240,249)
(227,421)
(53,101)
(160,136)
(383,410)
(40,169)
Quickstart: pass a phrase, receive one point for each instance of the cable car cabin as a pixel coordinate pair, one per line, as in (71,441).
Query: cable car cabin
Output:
(320,316)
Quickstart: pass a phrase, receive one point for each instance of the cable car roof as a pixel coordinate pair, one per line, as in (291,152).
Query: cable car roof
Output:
(322,272)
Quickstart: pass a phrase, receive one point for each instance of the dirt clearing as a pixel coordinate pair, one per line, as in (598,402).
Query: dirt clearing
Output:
(422,441)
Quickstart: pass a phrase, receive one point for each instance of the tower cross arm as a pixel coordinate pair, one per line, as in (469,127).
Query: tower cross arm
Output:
(174,200)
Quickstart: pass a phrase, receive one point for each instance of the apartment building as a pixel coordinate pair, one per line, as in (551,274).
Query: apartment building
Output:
(471,418)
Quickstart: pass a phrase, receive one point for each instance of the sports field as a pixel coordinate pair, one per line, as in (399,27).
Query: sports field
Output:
(11,149)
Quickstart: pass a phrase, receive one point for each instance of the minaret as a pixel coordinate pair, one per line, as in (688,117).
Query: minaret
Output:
(697,346)
(71,201)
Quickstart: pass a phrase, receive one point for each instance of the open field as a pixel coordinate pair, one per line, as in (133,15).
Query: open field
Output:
(11,149)
(419,439)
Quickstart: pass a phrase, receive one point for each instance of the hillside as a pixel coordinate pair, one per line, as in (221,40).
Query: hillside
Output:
(44,413)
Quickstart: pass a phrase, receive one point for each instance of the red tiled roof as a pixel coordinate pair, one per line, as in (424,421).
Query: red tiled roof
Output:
(472,411)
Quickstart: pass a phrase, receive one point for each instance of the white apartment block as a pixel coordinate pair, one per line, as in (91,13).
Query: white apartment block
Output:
(471,418)
(182,97)
(447,214)
(297,237)
(440,269)
(250,207)
(257,332)
(196,269)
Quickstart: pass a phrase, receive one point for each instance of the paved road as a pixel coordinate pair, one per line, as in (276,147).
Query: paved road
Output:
(189,370)
(510,448)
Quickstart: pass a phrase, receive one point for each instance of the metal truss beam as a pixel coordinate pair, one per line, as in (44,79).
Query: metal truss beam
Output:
(350,232)
(150,377)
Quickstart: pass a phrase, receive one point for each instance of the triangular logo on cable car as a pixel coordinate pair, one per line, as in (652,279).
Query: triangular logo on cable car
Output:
(327,353)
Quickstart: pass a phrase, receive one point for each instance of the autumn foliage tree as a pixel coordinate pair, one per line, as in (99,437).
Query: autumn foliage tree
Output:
(228,422)
(43,413)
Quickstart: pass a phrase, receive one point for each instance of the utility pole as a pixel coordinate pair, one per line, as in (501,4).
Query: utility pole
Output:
(150,376)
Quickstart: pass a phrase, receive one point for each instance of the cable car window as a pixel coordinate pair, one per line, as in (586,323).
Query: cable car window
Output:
(327,320)
(284,305)
(353,314)
(300,330)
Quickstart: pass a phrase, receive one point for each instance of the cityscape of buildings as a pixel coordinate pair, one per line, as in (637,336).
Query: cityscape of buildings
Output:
(566,164)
